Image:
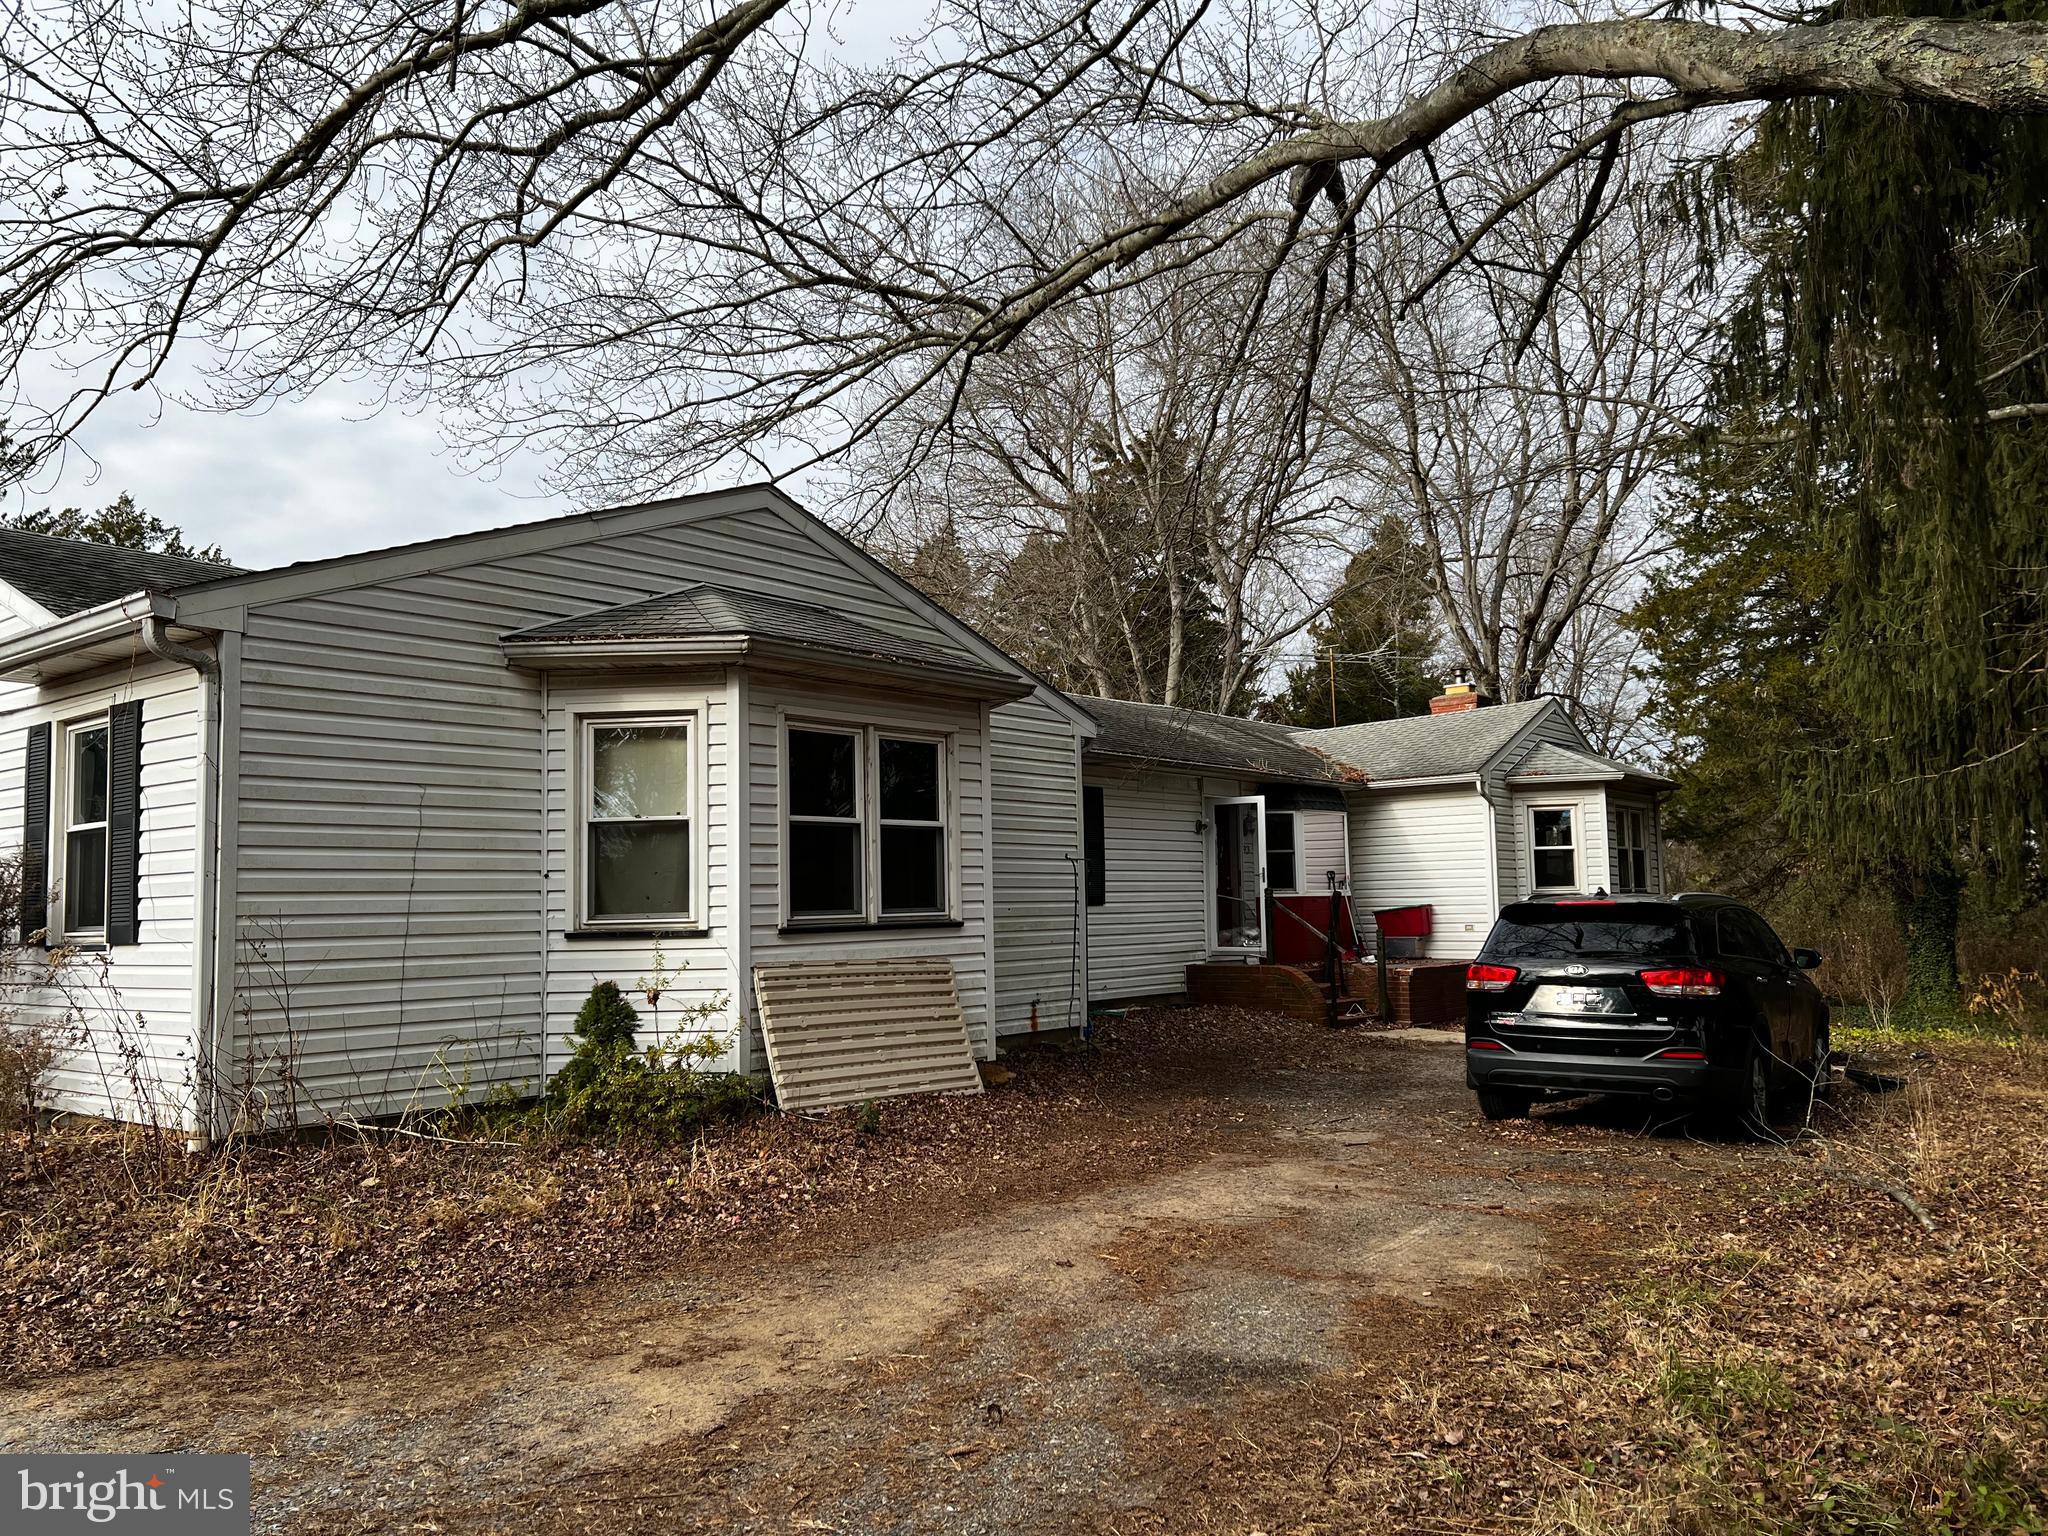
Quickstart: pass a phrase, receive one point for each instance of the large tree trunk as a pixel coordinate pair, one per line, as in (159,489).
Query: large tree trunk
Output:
(1928,903)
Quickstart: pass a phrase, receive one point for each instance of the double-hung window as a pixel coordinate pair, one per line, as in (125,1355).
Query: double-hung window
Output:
(87,756)
(1553,847)
(1635,851)
(867,828)
(826,829)
(637,778)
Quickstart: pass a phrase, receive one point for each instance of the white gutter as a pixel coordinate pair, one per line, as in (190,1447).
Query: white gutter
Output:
(1430,782)
(93,626)
(157,641)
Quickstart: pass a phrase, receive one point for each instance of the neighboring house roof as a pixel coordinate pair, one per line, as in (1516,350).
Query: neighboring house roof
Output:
(1427,746)
(67,576)
(1549,761)
(1192,738)
(703,611)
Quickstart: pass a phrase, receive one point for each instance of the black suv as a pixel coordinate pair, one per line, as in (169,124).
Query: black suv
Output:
(1691,1000)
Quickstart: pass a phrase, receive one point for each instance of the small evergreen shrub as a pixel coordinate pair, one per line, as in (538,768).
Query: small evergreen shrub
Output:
(608,1087)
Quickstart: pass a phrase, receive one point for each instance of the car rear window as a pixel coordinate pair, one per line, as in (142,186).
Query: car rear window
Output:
(1545,932)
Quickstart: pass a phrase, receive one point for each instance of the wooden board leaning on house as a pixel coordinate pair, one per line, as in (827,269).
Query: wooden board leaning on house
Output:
(844,1031)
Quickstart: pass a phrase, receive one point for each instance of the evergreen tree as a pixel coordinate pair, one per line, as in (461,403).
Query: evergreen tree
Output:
(1888,346)
(120,522)
(1375,645)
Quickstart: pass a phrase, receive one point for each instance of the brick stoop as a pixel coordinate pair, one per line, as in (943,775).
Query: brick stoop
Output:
(1426,992)
(1271,988)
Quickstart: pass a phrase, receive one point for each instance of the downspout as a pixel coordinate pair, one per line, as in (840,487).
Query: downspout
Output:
(157,641)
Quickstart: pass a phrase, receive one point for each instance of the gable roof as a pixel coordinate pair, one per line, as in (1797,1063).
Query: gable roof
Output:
(67,576)
(704,611)
(1548,760)
(1427,746)
(1193,738)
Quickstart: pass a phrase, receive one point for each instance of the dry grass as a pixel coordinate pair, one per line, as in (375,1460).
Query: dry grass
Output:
(1795,1354)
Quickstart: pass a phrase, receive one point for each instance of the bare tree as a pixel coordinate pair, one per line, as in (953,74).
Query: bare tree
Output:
(656,234)
(1524,445)
(1139,483)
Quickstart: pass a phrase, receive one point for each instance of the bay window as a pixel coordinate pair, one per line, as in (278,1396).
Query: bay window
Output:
(867,830)
(638,780)
(1635,851)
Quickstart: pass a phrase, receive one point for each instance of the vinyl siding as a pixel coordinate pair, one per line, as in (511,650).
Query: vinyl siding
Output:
(1154,923)
(401,823)
(1510,822)
(770,702)
(1039,911)
(1323,850)
(1410,847)
(135,1000)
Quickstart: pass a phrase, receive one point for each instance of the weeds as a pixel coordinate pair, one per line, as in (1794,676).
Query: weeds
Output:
(611,1088)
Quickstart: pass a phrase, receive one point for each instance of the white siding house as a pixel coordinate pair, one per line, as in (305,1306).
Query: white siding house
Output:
(371,825)
(358,835)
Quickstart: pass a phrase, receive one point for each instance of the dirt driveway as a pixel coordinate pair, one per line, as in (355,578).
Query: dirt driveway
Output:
(1028,1365)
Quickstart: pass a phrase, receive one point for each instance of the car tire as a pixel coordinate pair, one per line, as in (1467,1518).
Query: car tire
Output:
(1820,1072)
(1750,1110)
(1504,1104)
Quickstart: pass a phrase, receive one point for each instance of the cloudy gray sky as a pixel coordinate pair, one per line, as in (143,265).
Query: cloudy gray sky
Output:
(328,476)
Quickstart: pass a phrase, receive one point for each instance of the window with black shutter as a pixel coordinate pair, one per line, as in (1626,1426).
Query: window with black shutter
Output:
(35,835)
(124,823)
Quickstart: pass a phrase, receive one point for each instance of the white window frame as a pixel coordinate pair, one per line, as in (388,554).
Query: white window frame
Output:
(586,725)
(944,910)
(868,736)
(1273,887)
(1578,851)
(1632,831)
(860,821)
(62,826)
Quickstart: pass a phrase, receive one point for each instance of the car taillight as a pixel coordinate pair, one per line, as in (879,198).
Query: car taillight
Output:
(1587,901)
(1490,978)
(1686,981)
(1681,1055)
(1484,1045)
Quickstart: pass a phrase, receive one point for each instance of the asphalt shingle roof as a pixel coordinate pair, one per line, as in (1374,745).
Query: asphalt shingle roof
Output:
(1163,734)
(1548,760)
(1426,746)
(702,610)
(68,576)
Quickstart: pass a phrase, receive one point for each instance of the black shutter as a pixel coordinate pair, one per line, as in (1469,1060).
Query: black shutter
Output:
(124,821)
(1092,843)
(35,834)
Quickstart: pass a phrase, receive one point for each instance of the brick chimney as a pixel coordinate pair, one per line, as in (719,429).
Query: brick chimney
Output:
(1459,695)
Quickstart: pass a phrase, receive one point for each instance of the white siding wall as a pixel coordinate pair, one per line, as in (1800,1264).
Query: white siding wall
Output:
(1039,879)
(769,703)
(394,862)
(1155,920)
(136,999)
(1510,823)
(1589,802)
(1323,853)
(1410,847)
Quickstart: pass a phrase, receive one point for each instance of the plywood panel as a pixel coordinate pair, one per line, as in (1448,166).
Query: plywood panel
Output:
(845,1031)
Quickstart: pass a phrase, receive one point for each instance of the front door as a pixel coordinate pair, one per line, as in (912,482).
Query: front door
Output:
(1237,867)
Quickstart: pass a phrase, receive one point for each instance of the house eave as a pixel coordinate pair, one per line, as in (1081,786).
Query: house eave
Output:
(740,649)
(96,637)
(1191,765)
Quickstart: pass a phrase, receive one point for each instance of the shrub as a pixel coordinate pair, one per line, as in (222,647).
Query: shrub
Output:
(608,1087)
(26,1056)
